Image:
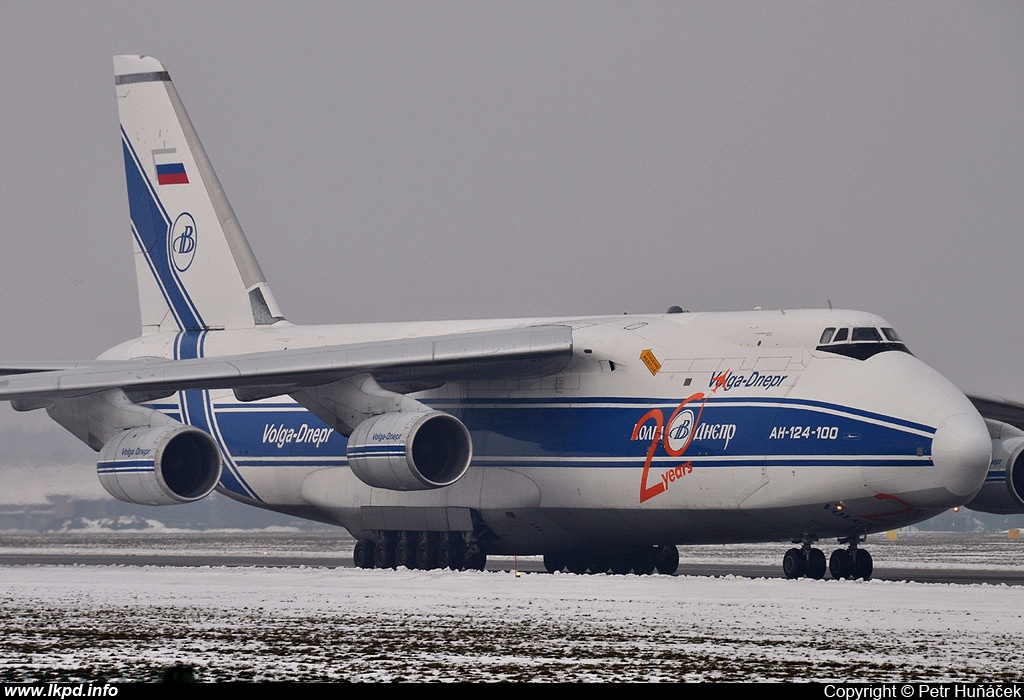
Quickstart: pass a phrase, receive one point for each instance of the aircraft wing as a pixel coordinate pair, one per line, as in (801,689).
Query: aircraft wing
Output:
(8,368)
(517,352)
(1000,409)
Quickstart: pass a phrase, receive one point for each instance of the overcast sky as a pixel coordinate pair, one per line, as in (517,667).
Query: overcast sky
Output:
(430,160)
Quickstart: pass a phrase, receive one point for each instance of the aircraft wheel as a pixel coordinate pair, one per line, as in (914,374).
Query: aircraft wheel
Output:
(362,555)
(645,561)
(451,553)
(384,553)
(862,564)
(621,564)
(816,564)
(840,564)
(426,553)
(794,563)
(599,565)
(668,559)
(577,564)
(405,552)
(476,562)
(554,562)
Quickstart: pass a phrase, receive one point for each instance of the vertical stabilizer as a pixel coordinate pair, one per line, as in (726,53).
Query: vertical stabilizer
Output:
(195,268)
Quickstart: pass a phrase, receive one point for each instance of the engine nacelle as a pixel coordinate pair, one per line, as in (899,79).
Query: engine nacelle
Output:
(1003,490)
(160,466)
(410,450)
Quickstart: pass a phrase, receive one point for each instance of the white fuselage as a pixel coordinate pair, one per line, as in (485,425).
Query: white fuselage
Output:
(675,428)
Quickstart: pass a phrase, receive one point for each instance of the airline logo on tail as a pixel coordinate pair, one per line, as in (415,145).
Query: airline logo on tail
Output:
(169,168)
(183,241)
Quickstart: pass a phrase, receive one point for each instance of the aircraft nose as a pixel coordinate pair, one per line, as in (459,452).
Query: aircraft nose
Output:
(962,451)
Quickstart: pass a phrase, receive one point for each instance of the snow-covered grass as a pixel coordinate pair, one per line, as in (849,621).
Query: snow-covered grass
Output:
(128,623)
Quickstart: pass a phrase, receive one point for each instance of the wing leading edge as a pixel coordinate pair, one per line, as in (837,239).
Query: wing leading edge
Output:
(999,409)
(519,352)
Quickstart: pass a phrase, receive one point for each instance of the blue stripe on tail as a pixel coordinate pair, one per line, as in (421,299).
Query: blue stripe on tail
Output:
(151,226)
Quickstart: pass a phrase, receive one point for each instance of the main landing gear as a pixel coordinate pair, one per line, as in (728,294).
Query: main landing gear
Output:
(644,561)
(849,563)
(418,550)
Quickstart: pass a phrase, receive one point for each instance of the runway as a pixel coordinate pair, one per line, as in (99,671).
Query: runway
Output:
(957,558)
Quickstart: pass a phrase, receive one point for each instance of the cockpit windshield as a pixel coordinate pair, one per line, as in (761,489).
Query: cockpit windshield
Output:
(860,342)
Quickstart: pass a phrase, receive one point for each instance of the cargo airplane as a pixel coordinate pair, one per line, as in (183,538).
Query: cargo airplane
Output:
(601,443)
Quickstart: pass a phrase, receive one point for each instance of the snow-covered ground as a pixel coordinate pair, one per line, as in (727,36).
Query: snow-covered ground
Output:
(127,623)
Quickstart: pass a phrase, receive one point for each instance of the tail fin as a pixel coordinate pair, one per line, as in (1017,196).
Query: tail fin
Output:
(195,268)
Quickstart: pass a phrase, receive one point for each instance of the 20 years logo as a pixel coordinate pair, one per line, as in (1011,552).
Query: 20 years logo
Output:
(675,437)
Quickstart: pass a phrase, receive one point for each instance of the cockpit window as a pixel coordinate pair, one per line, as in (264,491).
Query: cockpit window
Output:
(862,334)
(862,343)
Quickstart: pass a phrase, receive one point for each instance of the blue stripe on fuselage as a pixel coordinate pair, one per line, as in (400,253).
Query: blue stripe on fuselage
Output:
(590,433)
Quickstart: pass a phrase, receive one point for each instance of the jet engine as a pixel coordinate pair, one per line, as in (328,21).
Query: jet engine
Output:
(1003,491)
(163,465)
(410,450)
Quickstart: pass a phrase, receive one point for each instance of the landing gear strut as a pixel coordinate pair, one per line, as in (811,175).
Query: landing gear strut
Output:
(804,561)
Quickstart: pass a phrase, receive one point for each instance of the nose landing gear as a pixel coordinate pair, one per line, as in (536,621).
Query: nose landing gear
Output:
(851,563)
(804,561)
(809,561)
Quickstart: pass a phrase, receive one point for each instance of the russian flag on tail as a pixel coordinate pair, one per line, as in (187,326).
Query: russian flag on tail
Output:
(171,174)
(169,168)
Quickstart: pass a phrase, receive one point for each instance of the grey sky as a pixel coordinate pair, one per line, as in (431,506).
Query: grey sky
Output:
(405,161)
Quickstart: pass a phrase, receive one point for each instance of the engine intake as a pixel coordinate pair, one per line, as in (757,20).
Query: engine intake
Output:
(410,450)
(165,465)
(1003,490)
